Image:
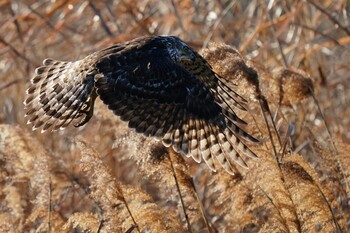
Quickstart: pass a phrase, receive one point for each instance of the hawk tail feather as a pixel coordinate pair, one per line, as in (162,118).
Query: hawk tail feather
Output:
(57,93)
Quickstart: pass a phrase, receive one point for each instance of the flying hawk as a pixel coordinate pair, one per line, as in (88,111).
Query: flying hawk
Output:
(159,85)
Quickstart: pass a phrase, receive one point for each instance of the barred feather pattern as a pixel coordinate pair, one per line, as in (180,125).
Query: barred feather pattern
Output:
(160,86)
(56,94)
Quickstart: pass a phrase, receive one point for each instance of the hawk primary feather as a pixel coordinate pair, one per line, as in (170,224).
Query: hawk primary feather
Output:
(159,85)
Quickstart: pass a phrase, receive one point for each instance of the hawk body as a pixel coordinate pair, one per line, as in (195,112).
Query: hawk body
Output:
(159,85)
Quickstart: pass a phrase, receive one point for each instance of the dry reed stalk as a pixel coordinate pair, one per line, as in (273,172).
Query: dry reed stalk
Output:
(122,206)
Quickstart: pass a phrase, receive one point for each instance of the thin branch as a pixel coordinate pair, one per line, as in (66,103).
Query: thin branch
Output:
(103,23)
(114,19)
(278,209)
(335,41)
(140,22)
(216,24)
(262,107)
(100,225)
(201,208)
(180,195)
(274,126)
(285,62)
(127,208)
(15,21)
(335,150)
(334,20)
(288,134)
(15,51)
(337,226)
(132,227)
(47,22)
(9,83)
(50,205)
(178,17)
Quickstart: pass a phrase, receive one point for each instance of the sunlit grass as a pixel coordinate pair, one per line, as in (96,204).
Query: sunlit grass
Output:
(104,177)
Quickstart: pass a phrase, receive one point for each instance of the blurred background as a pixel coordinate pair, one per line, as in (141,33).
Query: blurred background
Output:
(47,186)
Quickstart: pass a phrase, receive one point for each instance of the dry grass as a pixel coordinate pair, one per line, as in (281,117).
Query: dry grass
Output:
(108,179)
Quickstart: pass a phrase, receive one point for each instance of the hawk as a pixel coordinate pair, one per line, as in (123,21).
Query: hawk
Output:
(159,85)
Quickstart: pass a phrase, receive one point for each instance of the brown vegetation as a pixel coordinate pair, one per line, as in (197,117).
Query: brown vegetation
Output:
(106,178)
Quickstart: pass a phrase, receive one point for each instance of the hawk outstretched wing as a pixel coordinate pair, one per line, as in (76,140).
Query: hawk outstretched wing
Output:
(159,85)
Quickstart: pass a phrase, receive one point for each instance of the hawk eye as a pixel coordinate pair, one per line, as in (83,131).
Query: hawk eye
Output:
(187,49)
(188,52)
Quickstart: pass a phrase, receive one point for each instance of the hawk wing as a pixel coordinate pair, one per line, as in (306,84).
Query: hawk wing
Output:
(58,92)
(161,98)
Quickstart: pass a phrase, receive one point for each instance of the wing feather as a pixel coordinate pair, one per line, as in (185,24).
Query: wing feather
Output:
(157,97)
(57,92)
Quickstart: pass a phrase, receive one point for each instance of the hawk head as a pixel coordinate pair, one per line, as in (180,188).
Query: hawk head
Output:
(178,50)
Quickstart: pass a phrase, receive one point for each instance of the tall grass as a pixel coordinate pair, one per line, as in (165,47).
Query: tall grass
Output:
(106,178)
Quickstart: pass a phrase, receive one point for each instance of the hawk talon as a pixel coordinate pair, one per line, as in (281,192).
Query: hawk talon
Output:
(88,114)
(87,109)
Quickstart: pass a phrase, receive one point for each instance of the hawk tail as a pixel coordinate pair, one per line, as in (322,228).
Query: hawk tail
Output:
(57,94)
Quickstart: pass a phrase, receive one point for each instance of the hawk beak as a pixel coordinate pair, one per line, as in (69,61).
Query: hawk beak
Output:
(187,58)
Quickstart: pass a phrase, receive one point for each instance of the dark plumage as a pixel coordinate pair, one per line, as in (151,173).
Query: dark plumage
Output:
(159,85)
